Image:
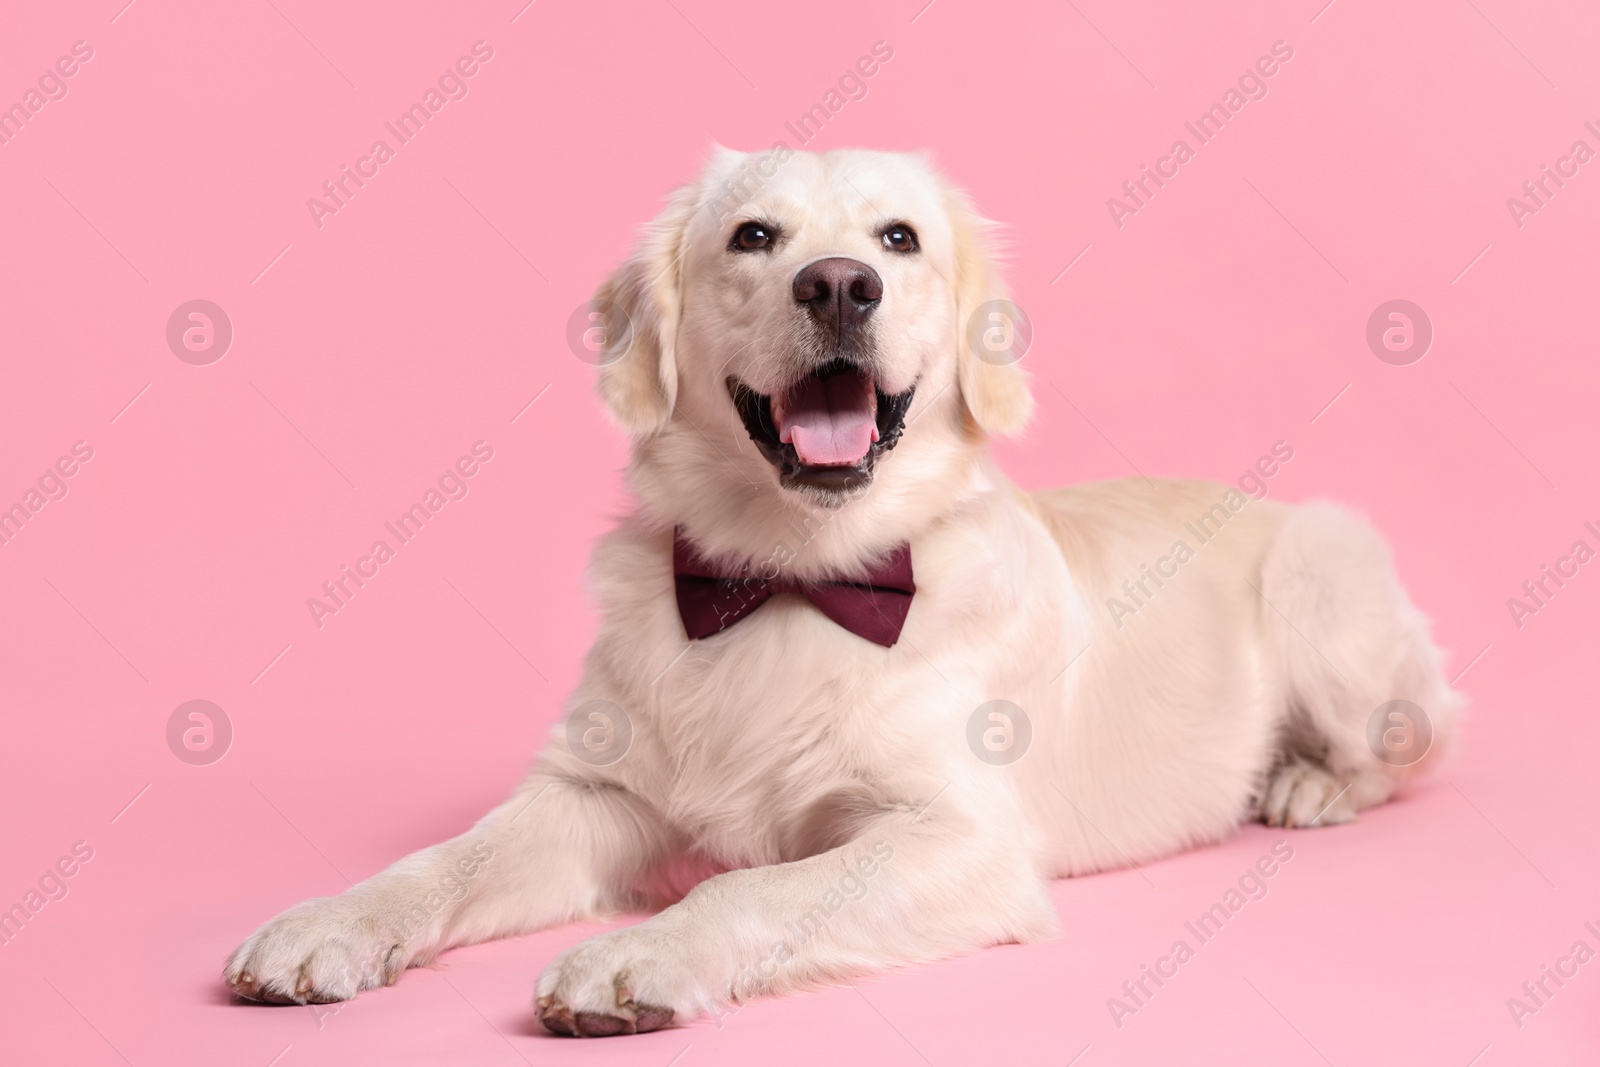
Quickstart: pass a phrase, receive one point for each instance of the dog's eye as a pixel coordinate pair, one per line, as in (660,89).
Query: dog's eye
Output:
(899,238)
(752,237)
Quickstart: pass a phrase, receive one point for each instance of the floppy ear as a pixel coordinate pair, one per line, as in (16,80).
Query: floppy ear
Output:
(639,307)
(993,387)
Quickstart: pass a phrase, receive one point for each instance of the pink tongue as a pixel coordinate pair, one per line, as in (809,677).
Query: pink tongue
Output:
(831,422)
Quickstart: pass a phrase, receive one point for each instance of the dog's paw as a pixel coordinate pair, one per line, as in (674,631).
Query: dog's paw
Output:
(1305,794)
(628,981)
(318,952)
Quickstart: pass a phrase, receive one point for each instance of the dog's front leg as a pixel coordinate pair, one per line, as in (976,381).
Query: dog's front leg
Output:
(561,847)
(909,886)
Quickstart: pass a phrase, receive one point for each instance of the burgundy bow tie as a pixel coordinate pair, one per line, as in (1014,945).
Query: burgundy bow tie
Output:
(873,606)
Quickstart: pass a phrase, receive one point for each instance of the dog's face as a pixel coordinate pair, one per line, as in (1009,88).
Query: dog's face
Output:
(806,303)
(823,297)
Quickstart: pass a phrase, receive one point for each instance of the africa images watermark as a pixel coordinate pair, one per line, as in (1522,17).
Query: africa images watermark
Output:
(1252,85)
(1537,192)
(731,600)
(756,171)
(52,485)
(52,885)
(600,732)
(452,888)
(847,889)
(199,732)
(452,485)
(852,85)
(1538,591)
(1202,528)
(589,327)
(1536,992)
(999,732)
(451,85)
(50,88)
(1251,886)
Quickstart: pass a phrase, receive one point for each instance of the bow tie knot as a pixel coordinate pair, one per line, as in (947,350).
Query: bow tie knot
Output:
(873,606)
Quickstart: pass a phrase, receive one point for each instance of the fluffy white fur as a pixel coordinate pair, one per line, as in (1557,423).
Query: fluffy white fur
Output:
(796,756)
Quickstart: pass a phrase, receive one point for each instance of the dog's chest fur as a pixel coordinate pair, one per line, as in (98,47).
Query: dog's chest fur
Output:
(773,739)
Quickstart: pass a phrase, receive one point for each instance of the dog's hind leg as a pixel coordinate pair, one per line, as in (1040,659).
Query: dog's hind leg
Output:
(1366,704)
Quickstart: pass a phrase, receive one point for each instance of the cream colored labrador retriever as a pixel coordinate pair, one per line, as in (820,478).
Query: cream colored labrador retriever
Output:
(886,692)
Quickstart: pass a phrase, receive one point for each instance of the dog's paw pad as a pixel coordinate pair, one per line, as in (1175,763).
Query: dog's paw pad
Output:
(652,1018)
(594,1024)
(639,1019)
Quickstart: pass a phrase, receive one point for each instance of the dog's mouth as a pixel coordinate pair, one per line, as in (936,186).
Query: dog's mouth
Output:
(827,430)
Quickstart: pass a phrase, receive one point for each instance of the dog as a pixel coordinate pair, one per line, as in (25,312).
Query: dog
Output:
(885,693)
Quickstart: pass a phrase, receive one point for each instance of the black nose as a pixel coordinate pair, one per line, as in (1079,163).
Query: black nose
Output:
(840,292)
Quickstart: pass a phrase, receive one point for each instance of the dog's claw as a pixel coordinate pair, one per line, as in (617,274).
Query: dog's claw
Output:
(557,1018)
(393,965)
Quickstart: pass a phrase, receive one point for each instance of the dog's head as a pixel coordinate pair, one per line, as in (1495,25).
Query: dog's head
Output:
(817,307)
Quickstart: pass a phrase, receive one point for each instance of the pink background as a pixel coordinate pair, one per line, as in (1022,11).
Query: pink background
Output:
(432,309)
